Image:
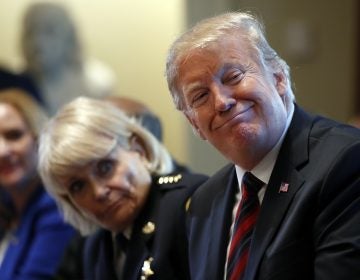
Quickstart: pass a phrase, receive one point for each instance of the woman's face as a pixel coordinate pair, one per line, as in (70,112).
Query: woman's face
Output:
(112,190)
(17,149)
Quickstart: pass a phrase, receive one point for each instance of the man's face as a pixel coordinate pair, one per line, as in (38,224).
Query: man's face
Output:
(233,101)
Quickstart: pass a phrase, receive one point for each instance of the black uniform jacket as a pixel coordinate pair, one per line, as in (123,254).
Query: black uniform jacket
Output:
(158,245)
(307,230)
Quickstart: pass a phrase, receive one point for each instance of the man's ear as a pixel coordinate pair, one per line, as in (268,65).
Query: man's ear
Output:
(194,126)
(138,145)
(280,83)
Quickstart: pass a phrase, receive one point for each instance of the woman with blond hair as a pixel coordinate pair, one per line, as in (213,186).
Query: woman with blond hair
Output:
(32,232)
(114,181)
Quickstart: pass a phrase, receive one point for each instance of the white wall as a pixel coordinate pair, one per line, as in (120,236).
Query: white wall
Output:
(132,37)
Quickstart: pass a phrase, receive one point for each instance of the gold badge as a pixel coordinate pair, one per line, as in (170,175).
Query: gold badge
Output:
(146,270)
(187,204)
(148,228)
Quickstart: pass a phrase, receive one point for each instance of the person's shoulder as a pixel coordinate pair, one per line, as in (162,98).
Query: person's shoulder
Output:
(44,210)
(327,133)
(324,133)
(333,155)
(179,180)
(43,201)
(330,127)
(177,187)
(181,184)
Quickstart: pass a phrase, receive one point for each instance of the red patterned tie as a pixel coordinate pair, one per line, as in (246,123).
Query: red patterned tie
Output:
(245,219)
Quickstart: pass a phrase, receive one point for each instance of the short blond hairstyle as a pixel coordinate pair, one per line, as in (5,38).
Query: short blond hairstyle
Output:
(32,112)
(85,130)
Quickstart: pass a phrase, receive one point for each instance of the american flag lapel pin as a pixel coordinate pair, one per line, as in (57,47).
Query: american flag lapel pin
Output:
(284,187)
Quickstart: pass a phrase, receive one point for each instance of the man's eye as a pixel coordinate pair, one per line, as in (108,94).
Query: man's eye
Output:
(104,167)
(233,77)
(76,187)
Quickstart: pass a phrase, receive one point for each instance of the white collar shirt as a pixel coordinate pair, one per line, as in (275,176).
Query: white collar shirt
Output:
(262,171)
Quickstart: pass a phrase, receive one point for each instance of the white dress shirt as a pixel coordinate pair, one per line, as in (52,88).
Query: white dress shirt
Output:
(262,171)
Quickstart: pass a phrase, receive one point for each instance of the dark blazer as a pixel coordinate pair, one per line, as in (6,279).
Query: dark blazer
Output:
(310,231)
(166,244)
(38,243)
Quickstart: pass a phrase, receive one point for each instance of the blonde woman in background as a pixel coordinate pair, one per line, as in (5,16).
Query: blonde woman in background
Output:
(32,232)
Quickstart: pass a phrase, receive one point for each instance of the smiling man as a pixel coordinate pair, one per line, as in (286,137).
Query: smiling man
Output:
(302,220)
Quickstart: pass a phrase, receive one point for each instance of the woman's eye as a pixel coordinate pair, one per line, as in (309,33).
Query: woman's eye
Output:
(76,187)
(14,134)
(199,99)
(104,167)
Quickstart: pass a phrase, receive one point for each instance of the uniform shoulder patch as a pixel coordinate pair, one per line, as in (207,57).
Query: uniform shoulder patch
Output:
(171,179)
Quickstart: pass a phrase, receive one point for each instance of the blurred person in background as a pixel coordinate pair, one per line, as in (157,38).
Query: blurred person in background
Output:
(147,118)
(115,183)
(54,57)
(137,109)
(33,235)
(10,79)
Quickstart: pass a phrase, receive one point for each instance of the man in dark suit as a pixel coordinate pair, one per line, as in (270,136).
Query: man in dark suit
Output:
(304,221)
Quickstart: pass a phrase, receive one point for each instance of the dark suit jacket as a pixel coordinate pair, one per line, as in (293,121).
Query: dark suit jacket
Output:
(167,244)
(312,231)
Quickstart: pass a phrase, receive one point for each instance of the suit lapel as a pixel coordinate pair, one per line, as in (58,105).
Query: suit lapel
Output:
(220,220)
(293,155)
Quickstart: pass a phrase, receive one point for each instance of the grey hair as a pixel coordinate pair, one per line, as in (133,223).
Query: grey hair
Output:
(84,130)
(243,25)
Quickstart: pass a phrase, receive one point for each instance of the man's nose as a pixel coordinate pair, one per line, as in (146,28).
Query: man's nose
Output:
(223,98)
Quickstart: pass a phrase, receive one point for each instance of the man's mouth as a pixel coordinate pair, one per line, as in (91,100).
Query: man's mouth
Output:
(235,117)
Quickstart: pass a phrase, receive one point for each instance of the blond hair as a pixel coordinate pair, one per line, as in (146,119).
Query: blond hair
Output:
(84,130)
(32,112)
